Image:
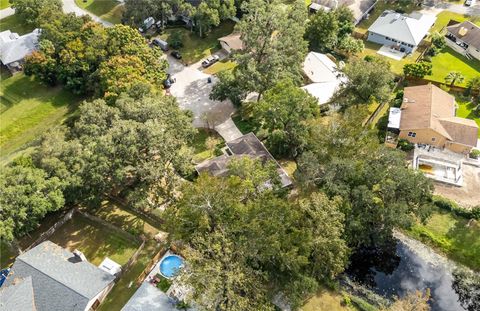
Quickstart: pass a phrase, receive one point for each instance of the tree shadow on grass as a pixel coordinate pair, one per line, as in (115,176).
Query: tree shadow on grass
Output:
(465,241)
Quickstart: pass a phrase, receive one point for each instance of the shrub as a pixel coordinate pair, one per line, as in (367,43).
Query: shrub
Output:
(475,154)
(175,40)
(453,207)
(369,58)
(405,145)
(164,284)
(347,301)
(438,41)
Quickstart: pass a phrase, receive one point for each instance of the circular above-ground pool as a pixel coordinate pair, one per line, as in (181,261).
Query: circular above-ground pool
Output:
(171,265)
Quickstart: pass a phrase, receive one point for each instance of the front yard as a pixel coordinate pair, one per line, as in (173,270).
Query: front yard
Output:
(449,60)
(109,10)
(15,24)
(196,48)
(28,109)
(200,149)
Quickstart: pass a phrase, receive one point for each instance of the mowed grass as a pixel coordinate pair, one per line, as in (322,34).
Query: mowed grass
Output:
(449,60)
(109,10)
(196,48)
(396,65)
(95,240)
(220,66)
(15,24)
(465,110)
(200,150)
(128,220)
(4,4)
(452,235)
(126,285)
(28,109)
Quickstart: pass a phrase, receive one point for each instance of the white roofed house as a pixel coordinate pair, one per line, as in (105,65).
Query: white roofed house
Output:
(400,31)
(14,48)
(324,76)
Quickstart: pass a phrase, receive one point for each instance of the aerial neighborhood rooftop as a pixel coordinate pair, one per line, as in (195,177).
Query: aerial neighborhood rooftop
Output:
(239,155)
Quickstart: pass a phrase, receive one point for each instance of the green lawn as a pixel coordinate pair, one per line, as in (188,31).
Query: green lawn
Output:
(195,48)
(381,6)
(220,66)
(396,65)
(465,111)
(109,10)
(15,24)
(200,150)
(449,233)
(96,241)
(122,291)
(128,220)
(28,109)
(449,60)
(244,125)
(4,4)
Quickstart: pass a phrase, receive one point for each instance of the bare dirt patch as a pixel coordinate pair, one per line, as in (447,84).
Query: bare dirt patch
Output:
(469,194)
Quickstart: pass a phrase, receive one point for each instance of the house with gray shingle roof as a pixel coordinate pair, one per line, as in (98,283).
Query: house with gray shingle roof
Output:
(400,31)
(14,48)
(464,38)
(60,280)
(18,296)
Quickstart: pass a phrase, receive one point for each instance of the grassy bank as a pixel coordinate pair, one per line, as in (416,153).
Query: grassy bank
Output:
(28,109)
(453,235)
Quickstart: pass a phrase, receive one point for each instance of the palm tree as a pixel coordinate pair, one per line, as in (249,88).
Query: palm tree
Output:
(473,86)
(453,77)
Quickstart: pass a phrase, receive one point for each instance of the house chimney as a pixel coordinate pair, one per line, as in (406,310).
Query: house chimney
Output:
(78,254)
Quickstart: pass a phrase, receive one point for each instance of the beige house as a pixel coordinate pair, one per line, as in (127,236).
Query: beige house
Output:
(231,43)
(428,117)
(465,38)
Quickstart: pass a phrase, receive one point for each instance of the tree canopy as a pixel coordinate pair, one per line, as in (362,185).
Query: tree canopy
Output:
(136,149)
(274,48)
(88,58)
(27,194)
(367,81)
(283,113)
(244,246)
(33,11)
(379,191)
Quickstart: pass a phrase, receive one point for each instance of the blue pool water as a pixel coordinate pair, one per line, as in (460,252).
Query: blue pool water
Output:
(170,265)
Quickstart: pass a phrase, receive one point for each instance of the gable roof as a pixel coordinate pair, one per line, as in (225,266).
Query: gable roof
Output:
(409,29)
(60,280)
(468,32)
(17,47)
(233,40)
(18,296)
(427,106)
(247,145)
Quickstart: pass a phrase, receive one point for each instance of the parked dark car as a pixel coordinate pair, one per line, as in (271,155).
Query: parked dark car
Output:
(210,61)
(177,54)
(168,81)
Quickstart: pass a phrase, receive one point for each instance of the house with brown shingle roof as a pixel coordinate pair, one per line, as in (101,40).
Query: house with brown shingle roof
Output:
(428,117)
(464,38)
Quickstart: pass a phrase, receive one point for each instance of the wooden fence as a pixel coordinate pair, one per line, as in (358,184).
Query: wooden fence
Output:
(150,265)
(68,215)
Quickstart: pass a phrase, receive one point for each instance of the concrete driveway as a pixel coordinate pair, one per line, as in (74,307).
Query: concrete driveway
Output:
(436,7)
(192,91)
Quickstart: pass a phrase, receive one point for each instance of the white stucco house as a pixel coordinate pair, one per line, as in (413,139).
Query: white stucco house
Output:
(14,48)
(400,31)
(324,76)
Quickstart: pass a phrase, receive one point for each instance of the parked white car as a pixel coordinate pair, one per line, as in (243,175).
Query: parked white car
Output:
(210,61)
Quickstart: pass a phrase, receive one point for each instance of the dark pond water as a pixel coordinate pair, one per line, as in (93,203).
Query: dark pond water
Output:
(399,270)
